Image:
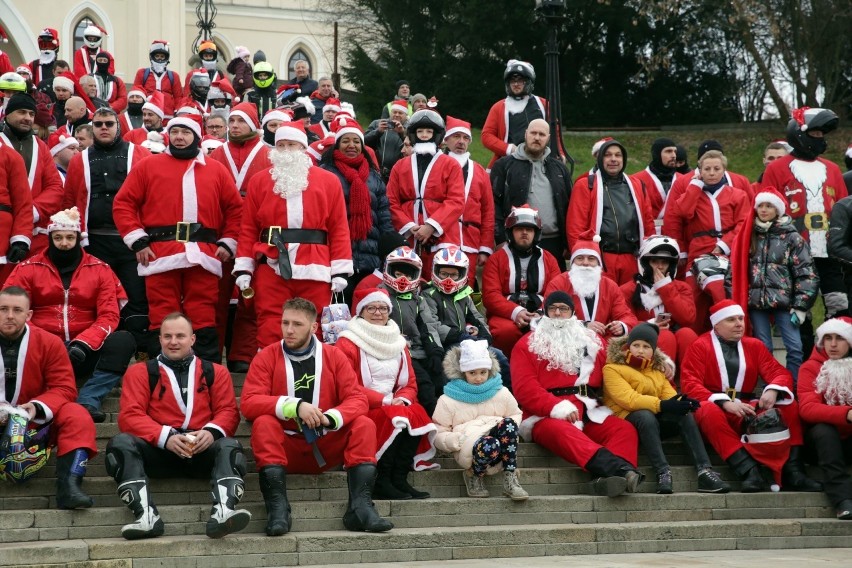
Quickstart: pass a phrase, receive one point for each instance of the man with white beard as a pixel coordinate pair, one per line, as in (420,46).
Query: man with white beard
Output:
(556,371)
(600,303)
(294,240)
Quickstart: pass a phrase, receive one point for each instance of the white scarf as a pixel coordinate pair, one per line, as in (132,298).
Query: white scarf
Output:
(379,341)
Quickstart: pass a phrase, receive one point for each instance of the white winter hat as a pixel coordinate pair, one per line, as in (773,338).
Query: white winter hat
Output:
(67,220)
(841,326)
(474,355)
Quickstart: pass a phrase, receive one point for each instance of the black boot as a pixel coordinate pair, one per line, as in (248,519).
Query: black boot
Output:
(613,475)
(384,487)
(148,523)
(793,474)
(225,518)
(207,344)
(402,465)
(360,513)
(748,470)
(273,486)
(70,469)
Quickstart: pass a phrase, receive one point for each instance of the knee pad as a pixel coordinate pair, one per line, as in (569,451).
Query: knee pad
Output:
(114,463)
(116,352)
(232,451)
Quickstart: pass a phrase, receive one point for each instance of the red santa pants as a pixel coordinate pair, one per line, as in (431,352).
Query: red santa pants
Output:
(703,301)
(620,267)
(192,290)
(72,428)
(675,344)
(505,333)
(722,428)
(271,293)
(579,446)
(353,444)
(243,346)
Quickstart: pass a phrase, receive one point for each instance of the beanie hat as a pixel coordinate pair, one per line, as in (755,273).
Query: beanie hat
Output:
(648,332)
(402,82)
(58,142)
(400,104)
(331,103)
(68,220)
(596,147)
(156,104)
(773,197)
(20,101)
(455,125)
(724,309)
(708,145)
(191,121)
(248,112)
(274,114)
(345,125)
(657,147)
(587,244)
(474,355)
(294,131)
(63,83)
(558,297)
(242,51)
(841,326)
(367,296)
(419,97)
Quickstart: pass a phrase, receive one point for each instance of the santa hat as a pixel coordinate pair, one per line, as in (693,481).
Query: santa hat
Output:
(24,69)
(366,296)
(401,105)
(773,197)
(154,142)
(596,147)
(68,220)
(137,92)
(58,142)
(725,309)
(275,114)
(345,125)
(242,51)
(93,30)
(304,108)
(587,244)
(52,34)
(474,355)
(455,125)
(348,109)
(841,326)
(331,103)
(210,143)
(186,109)
(191,121)
(432,102)
(156,104)
(64,82)
(316,148)
(248,112)
(3,36)
(294,131)
(159,45)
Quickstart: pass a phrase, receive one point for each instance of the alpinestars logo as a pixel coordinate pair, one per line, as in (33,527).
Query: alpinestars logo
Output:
(238,491)
(126,496)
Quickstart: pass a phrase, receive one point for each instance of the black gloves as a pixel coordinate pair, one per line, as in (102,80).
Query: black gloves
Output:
(17,252)
(678,405)
(76,353)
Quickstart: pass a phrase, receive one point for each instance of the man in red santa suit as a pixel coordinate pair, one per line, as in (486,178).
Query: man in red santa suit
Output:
(294,240)
(131,118)
(180,213)
(514,279)
(556,369)
(152,121)
(426,190)
(84,58)
(330,109)
(608,203)
(39,380)
(16,210)
(476,225)
(825,405)
(657,178)
(178,417)
(309,413)
(721,370)
(599,301)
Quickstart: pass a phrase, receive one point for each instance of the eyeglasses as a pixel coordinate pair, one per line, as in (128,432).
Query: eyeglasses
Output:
(103,123)
(377,309)
(559,309)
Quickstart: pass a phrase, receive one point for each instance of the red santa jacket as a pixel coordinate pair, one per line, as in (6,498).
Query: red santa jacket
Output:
(609,304)
(16,222)
(116,95)
(655,193)
(495,131)
(437,200)
(44,376)
(126,125)
(501,279)
(320,129)
(406,381)
(675,297)
(811,188)
(84,62)
(692,215)
(151,415)
(163,190)
(86,312)
(270,383)
(139,135)
(243,160)
(168,83)
(5,63)
(703,374)
(321,207)
(476,224)
(585,211)
(78,183)
(813,407)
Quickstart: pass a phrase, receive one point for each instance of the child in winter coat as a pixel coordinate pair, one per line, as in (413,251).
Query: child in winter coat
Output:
(781,281)
(636,389)
(477,419)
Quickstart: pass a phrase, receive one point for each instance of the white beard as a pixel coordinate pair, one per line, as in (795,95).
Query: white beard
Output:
(159,67)
(46,57)
(563,343)
(460,158)
(585,280)
(425,148)
(834,382)
(289,172)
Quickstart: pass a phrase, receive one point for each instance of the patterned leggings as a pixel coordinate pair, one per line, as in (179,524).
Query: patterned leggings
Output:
(499,445)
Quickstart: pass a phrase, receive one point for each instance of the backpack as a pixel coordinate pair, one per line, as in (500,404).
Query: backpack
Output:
(154,373)
(147,73)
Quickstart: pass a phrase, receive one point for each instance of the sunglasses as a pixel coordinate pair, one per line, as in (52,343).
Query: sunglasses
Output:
(103,123)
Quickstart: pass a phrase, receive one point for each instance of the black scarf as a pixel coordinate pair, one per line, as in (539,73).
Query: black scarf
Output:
(532,302)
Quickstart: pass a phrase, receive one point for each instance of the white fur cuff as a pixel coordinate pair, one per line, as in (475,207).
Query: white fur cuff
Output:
(562,410)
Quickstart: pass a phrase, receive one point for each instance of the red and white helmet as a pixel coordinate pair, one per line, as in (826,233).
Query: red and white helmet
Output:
(405,260)
(450,256)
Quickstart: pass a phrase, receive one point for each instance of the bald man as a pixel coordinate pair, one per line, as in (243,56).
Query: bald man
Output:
(76,114)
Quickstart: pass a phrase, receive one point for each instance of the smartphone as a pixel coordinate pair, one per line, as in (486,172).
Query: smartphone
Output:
(664,317)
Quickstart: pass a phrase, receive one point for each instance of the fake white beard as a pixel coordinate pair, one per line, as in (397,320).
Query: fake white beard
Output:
(46,57)
(834,382)
(585,280)
(289,172)
(425,148)
(159,67)
(563,343)
(460,158)
(514,106)
(209,65)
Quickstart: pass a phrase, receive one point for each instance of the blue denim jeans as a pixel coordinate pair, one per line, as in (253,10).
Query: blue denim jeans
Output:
(762,329)
(93,392)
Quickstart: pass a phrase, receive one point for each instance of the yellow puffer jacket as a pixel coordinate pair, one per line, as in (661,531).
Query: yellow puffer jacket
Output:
(627,389)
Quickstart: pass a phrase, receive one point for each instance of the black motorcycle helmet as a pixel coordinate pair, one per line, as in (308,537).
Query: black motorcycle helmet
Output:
(426,119)
(519,69)
(806,120)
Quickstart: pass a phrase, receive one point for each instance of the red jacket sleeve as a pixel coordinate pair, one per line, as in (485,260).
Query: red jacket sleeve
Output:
(232,208)
(453,204)
(352,400)
(133,415)
(812,406)
(119,100)
(741,209)
(579,219)
(678,301)
(18,197)
(673,219)
(692,371)
(50,197)
(107,318)
(495,302)
(223,402)
(126,207)
(249,225)
(528,390)
(350,351)
(257,398)
(399,216)
(490,130)
(339,241)
(486,228)
(55,367)
(619,310)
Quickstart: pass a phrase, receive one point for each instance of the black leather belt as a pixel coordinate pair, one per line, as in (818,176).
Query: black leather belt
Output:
(310,236)
(6,208)
(182,233)
(715,234)
(581,390)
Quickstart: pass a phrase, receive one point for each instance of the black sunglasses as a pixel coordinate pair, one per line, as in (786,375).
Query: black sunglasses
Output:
(102,123)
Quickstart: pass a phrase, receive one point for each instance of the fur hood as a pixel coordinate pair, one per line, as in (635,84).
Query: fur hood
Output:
(451,364)
(616,354)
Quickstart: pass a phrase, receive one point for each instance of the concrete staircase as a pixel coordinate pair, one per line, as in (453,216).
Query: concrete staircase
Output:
(560,518)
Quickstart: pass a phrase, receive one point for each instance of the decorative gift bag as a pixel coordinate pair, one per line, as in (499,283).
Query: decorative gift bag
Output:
(335,319)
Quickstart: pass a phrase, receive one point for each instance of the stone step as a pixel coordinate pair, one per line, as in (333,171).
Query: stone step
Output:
(417,544)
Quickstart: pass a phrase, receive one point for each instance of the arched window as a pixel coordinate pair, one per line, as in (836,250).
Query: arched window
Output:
(298,55)
(84,22)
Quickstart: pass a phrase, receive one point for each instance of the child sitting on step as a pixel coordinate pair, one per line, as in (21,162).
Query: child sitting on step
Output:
(477,419)
(636,389)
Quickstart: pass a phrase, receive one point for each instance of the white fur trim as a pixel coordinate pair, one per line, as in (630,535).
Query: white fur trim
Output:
(562,410)
(133,236)
(461,129)
(244,263)
(765,438)
(215,426)
(373,297)
(724,313)
(525,429)
(245,117)
(285,132)
(349,130)
(585,251)
(164,436)
(399,108)
(772,199)
(63,83)
(836,327)
(154,108)
(781,389)
(275,115)
(338,417)
(342,266)
(186,123)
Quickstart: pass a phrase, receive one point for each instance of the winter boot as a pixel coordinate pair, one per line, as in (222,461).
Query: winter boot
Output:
(148,523)
(403,459)
(360,513)
(273,486)
(224,517)
(384,487)
(70,469)
(611,474)
(794,476)
(748,470)
(512,488)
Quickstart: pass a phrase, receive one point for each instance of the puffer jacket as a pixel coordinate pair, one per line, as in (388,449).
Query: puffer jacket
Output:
(461,424)
(782,274)
(454,312)
(627,389)
(416,322)
(365,254)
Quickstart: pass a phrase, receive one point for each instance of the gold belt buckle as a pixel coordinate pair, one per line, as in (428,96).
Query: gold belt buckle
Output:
(821,225)
(732,393)
(583,390)
(182,227)
(275,230)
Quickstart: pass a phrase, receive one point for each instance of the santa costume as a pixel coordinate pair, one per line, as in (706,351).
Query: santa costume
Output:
(84,58)
(16,204)
(158,78)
